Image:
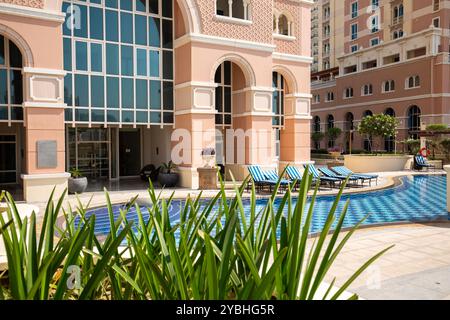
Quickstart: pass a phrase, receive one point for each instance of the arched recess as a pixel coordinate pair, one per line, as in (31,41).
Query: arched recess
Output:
(25,49)
(289,78)
(191,16)
(244,65)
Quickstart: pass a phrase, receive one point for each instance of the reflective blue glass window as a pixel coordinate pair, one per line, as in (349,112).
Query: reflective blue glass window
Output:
(81,55)
(3,86)
(127,93)
(81,90)
(140,27)
(113,116)
(155,117)
(97,115)
(68,89)
(3,113)
(96,1)
(112,58)
(154,32)
(141,59)
(68,114)
(155,95)
(96,23)
(127,60)
(154,63)
(111,3)
(81,29)
(96,57)
(97,92)
(112,92)
(112,26)
(141,94)
(126,27)
(141,117)
(15,57)
(127,116)
(66,10)
(126,5)
(82,115)
(67,46)
(140,5)
(2,50)
(16,86)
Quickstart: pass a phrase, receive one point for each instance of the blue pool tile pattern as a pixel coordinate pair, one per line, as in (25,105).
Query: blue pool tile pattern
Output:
(417,198)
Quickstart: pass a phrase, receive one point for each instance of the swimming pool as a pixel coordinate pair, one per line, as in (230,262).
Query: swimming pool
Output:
(417,198)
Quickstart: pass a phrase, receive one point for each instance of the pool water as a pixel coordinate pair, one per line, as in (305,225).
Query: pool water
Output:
(417,198)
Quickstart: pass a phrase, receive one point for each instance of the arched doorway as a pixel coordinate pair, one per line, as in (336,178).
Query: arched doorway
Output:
(389,142)
(11,111)
(414,120)
(348,128)
(317,129)
(330,125)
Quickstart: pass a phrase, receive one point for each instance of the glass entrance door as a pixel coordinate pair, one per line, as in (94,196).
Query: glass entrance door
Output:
(89,151)
(8,159)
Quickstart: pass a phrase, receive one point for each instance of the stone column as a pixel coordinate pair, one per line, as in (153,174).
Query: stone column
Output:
(194,128)
(295,138)
(44,134)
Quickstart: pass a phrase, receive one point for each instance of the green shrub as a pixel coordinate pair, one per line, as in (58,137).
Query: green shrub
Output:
(437,127)
(215,251)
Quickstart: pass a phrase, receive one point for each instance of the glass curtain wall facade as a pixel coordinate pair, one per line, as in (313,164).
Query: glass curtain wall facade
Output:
(118,55)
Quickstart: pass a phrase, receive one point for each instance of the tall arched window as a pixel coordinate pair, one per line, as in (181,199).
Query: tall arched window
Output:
(389,142)
(239,9)
(349,127)
(223,94)
(414,115)
(389,86)
(367,90)
(367,143)
(11,83)
(279,86)
(413,82)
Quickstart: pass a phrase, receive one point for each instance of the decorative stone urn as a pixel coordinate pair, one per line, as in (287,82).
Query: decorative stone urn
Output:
(77,185)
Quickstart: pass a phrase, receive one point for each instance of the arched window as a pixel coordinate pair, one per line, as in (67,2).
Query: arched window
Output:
(279,86)
(389,142)
(223,79)
(11,83)
(348,93)
(389,86)
(317,124)
(414,115)
(367,113)
(330,96)
(239,9)
(349,121)
(413,82)
(282,25)
(367,143)
(367,90)
(330,125)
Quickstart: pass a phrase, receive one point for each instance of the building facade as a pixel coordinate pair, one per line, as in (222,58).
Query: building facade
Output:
(108,86)
(395,61)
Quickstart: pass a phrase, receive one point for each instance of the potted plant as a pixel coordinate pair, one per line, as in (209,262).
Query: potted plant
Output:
(77,183)
(335,152)
(167,177)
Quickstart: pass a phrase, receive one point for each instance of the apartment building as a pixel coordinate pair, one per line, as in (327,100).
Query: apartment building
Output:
(108,86)
(395,61)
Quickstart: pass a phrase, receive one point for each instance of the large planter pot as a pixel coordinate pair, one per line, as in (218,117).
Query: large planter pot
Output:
(168,180)
(77,185)
(369,163)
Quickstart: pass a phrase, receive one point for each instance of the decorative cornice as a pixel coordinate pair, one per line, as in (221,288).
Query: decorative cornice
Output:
(30,12)
(202,38)
(293,58)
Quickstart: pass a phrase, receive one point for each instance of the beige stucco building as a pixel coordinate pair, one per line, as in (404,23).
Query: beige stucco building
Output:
(108,86)
(395,61)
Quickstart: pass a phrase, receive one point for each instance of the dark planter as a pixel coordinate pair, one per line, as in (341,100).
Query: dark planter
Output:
(77,185)
(168,180)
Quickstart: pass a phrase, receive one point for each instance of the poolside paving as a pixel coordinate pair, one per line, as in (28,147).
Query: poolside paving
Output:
(418,267)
